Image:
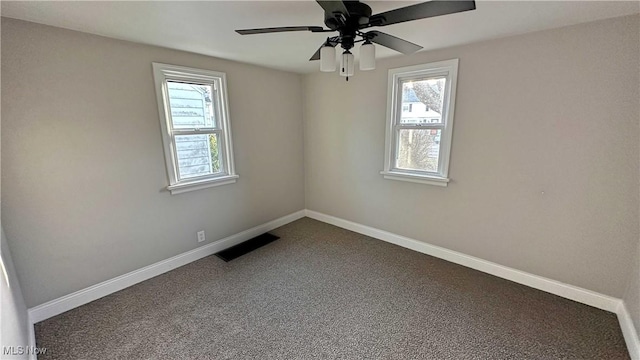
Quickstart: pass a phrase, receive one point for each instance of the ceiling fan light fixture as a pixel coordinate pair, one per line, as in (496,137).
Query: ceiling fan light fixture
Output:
(347,66)
(327,58)
(367,56)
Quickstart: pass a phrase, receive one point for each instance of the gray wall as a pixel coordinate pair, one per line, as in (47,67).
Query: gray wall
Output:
(14,329)
(83,164)
(554,112)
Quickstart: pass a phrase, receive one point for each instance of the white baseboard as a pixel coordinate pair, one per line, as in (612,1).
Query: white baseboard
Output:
(629,331)
(84,296)
(538,282)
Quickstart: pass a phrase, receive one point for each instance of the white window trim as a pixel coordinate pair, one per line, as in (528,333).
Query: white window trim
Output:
(164,72)
(448,68)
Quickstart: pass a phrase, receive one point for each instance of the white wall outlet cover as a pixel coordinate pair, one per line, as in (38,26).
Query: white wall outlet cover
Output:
(201,236)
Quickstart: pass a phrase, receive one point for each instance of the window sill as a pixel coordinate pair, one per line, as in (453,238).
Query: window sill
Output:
(201,184)
(422,179)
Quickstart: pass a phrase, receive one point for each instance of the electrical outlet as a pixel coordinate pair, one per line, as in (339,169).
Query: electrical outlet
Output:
(201,237)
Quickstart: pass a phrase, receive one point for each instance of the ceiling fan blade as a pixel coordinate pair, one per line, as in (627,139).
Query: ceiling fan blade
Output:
(280,29)
(316,56)
(421,11)
(336,6)
(393,42)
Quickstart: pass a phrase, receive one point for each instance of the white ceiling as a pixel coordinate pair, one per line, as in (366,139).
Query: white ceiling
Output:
(208,27)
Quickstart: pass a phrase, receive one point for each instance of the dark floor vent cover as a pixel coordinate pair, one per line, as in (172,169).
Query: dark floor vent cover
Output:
(247,246)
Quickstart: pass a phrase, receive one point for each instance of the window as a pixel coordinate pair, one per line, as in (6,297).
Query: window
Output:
(418,142)
(194,118)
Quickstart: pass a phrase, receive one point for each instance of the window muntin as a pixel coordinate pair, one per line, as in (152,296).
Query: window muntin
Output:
(195,125)
(420,121)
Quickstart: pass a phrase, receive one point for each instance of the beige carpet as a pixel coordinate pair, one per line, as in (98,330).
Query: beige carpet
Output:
(321,292)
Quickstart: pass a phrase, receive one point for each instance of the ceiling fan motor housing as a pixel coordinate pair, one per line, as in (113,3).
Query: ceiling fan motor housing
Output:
(348,24)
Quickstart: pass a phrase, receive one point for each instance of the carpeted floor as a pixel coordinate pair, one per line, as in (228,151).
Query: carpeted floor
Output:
(321,292)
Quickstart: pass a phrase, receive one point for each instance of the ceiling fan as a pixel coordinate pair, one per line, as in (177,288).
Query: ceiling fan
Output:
(350,17)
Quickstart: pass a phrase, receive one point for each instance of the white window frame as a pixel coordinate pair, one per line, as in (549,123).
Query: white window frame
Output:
(218,81)
(448,69)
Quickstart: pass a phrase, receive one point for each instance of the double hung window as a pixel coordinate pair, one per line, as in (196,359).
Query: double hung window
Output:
(420,122)
(196,134)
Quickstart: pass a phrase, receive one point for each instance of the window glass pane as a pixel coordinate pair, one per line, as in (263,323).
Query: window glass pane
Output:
(191,105)
(422,101)
(214,152)
(418,149)
(198,155)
